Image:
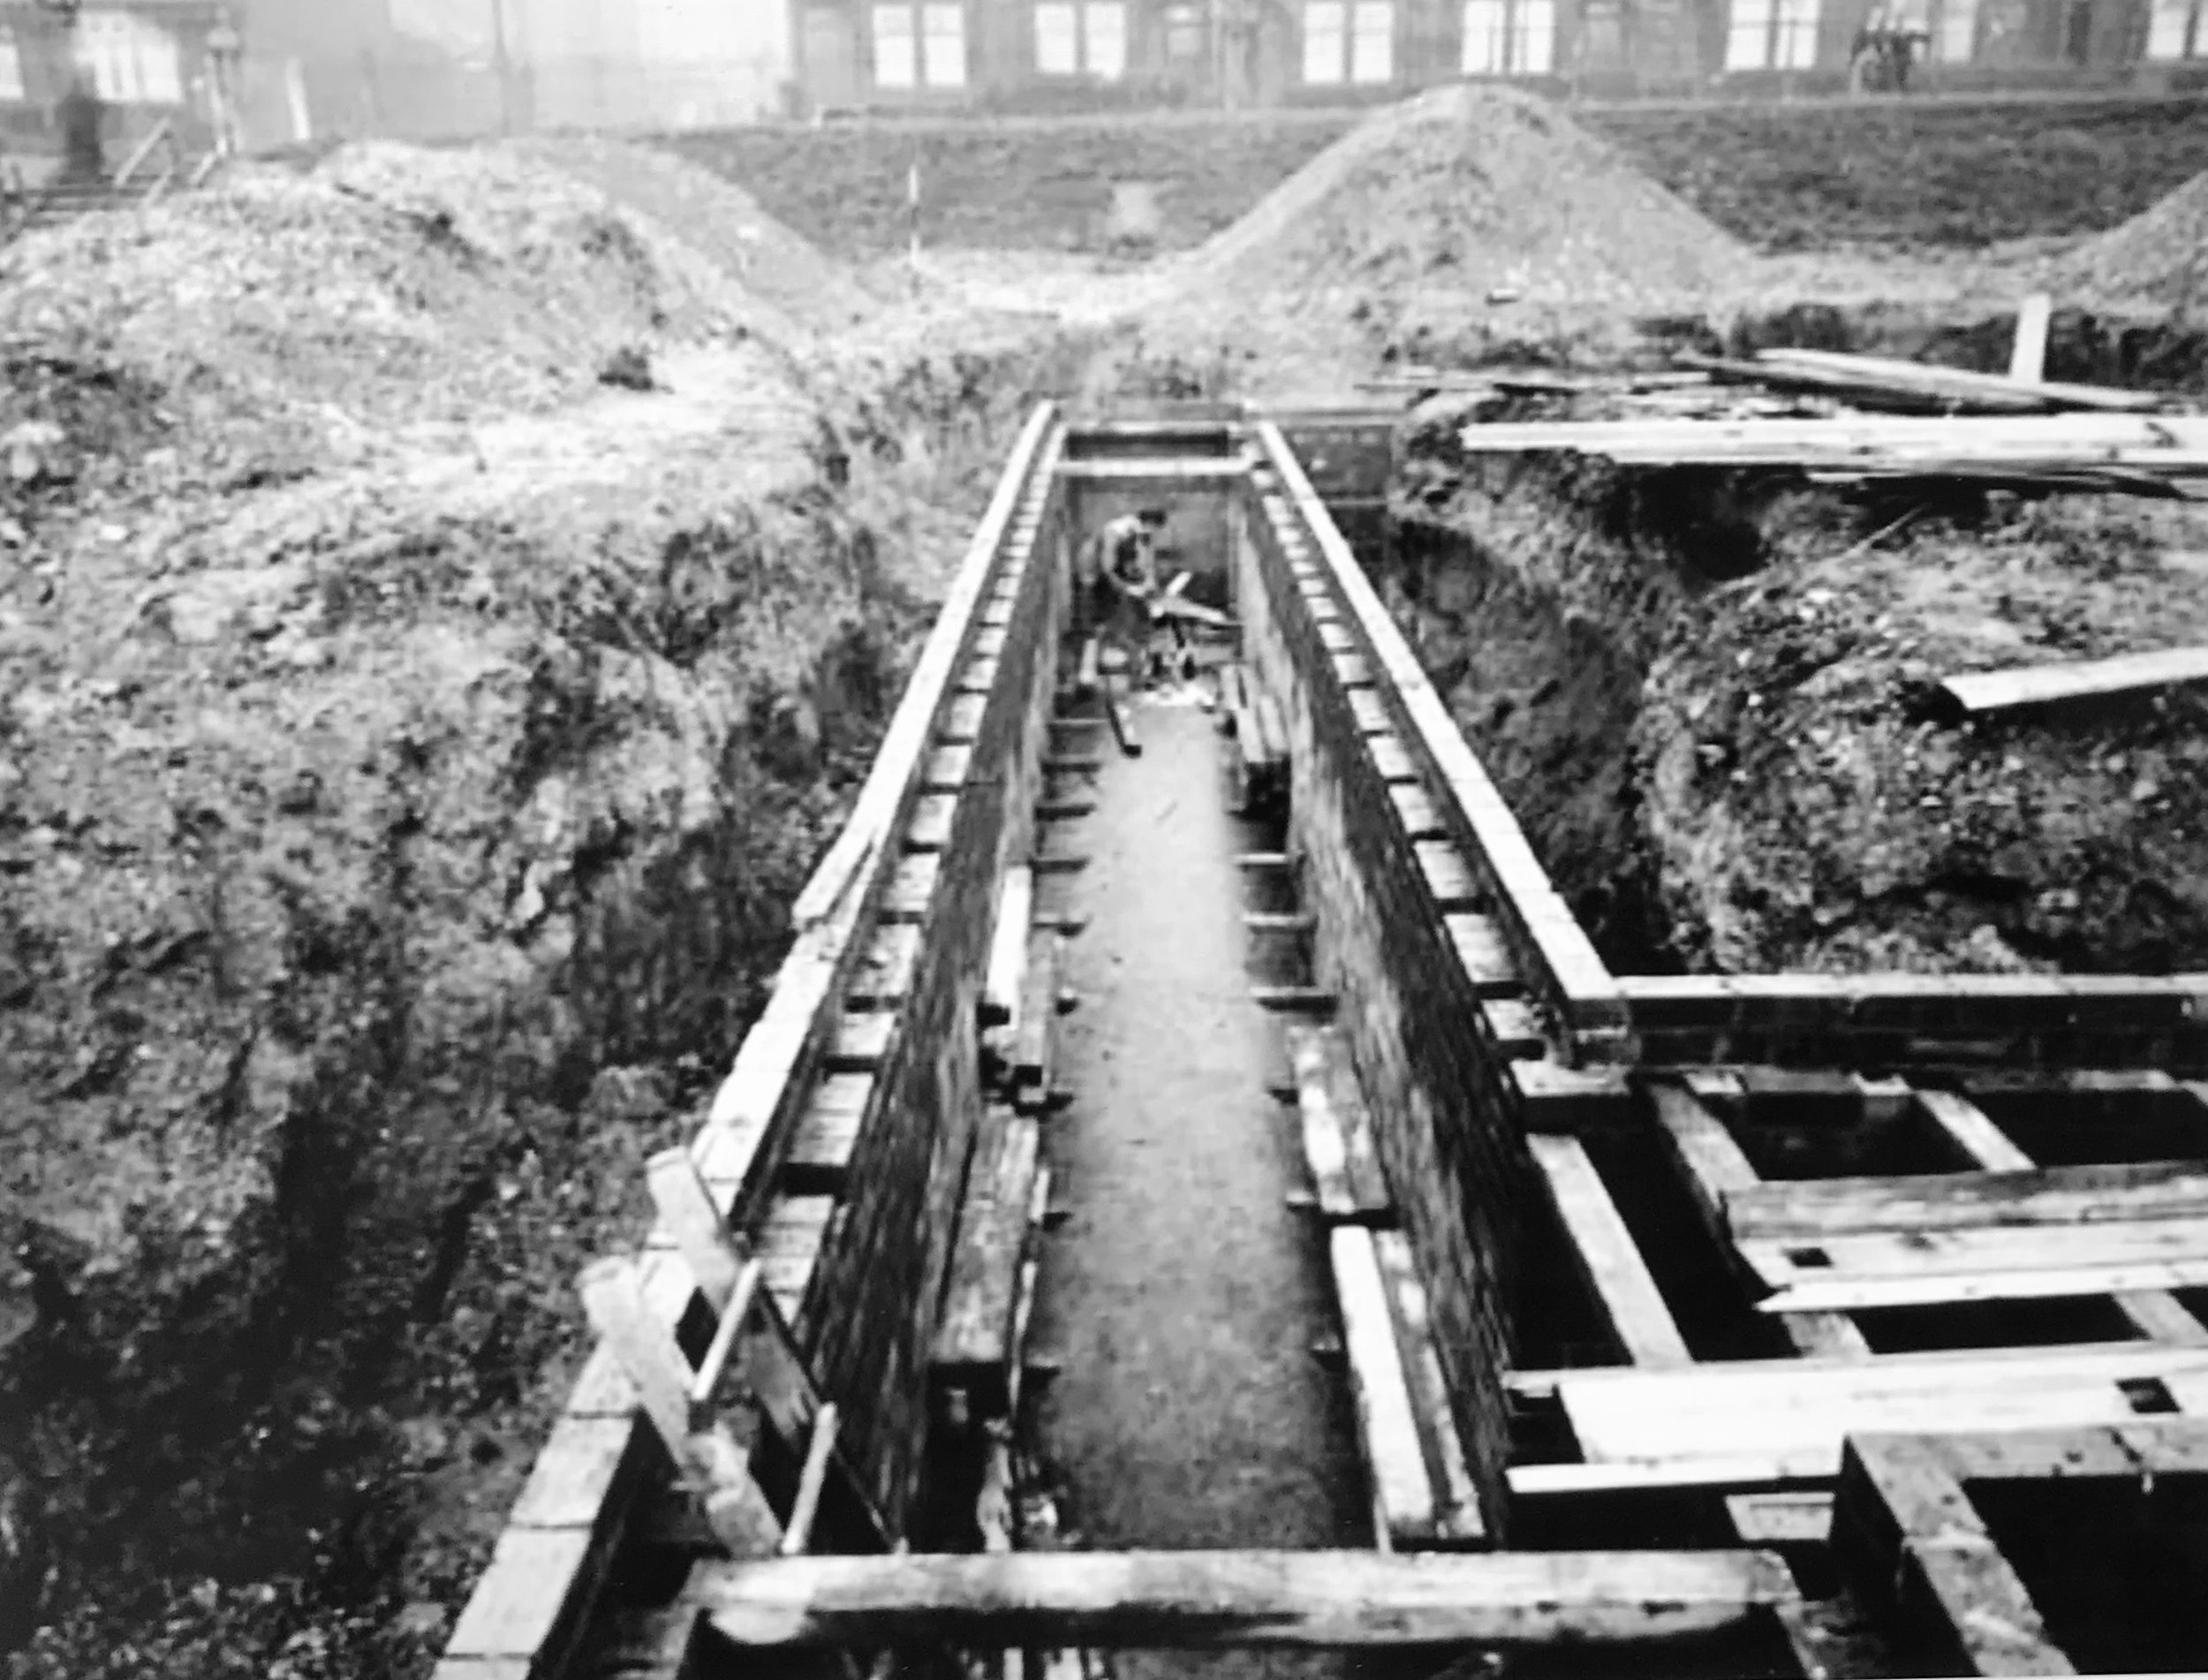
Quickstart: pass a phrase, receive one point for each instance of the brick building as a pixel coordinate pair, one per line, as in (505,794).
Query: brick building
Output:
(147,60)
(1013,55)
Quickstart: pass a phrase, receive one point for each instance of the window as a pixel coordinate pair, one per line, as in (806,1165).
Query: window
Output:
(1071,40)
(11,69)
(1956,39)
(1509,37)
(1534,40)
(1104,24)
(2170,31)
(895,64)
(1772,35)
(1373,41)
(1324,23)
(1486,35)
(1058,41)
(944,46)
(1183,32)
(131,62)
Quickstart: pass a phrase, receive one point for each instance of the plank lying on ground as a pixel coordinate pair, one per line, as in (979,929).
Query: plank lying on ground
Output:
(1892,374)
(1985,692)
(1121,714)
(1922,1266)
(1387,1428)
(1809,1210)
(1034,1049)
(972,1345)
(1212,1600)
(1008,948)
(1337,1127)
(1606,1256)
(1777,1420)
(1457,1518)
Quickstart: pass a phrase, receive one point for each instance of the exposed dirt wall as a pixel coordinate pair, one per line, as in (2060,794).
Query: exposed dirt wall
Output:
(398,821)
(1710,701)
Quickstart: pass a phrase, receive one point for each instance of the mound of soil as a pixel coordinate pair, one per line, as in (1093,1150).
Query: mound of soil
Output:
(399,823)
(1706,698)
(2160,256)
(1467,220)
(718,219)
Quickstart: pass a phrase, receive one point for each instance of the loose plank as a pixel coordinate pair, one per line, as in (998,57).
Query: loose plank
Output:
(1387,1428)
(1337,1128)
(973,1343)
(1807,1210)
(1215,1600)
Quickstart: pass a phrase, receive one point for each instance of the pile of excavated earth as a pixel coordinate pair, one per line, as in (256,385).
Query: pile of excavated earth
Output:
(446,601)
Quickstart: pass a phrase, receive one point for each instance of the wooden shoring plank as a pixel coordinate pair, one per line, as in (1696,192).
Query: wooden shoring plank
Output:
(947,769)
(885,975)
(1335,637)
(1515,1028)
(693,1222)
(1606,1256)
(1211,1601)
(979,676)
(1370,711)
(812,1482)
(973,1346)
(1943,1005)
(1035,1048)
(1987,693)
(933,815)
(827,1134)
(1962,381)
(1971,1132)
(1781,1519)
(1749,1422)
(790,1240)
(1485,953)
(1387,1428)
(1391,758)
(1457,1519)
(962,719)
(1121,714)
(1448,876)
(862,1040)
(2027,354)
(1416,810)
(1809,1210)
(1922,1267)
(1908,1531)
(1337,1128)
(1008,948)
(1714,1167)
(912,889)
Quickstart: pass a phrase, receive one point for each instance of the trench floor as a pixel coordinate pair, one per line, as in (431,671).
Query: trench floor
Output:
(1183,1294)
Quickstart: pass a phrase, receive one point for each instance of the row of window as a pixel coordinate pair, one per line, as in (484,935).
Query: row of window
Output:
(128,60)
(1353,41)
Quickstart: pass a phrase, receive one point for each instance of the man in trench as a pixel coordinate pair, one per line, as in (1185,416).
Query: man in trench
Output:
(1118,576)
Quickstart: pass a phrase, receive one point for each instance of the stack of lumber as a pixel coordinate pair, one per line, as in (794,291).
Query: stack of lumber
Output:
(1877,382)
(2155,456)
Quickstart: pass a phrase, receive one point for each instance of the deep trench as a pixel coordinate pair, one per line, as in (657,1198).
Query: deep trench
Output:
(1184,1296)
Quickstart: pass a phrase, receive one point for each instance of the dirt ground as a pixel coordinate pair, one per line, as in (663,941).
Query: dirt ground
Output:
(1183,1293)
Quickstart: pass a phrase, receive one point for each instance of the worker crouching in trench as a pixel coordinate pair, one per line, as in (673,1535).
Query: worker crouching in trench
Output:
(1116,579)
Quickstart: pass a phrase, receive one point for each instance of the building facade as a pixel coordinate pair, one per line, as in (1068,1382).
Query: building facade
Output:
(147,61)
(1016,55)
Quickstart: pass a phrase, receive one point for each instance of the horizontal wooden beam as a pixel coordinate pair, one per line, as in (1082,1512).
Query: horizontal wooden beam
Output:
(1209,1600)
(1924,1003)
(2021,688)
(2096,1193)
